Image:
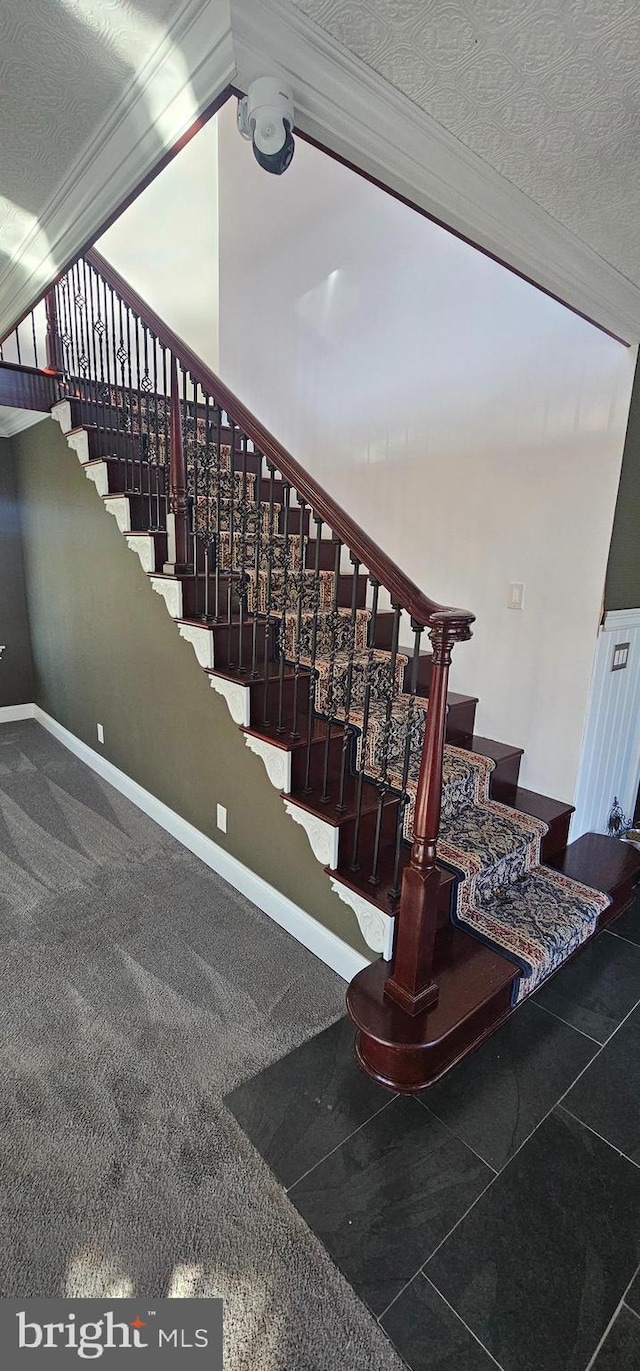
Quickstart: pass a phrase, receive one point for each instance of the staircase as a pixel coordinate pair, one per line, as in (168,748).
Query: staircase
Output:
(335,667)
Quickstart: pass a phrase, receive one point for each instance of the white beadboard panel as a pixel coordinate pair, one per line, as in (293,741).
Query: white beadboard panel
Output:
(610,763)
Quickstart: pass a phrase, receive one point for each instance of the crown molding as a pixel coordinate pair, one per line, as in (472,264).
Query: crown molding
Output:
(186,73)
(346,106)
(618,620)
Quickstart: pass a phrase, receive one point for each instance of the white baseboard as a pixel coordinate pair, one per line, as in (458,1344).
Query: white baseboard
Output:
(324,944)
(11,714)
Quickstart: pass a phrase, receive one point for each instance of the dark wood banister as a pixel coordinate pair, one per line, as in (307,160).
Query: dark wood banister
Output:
(403,590)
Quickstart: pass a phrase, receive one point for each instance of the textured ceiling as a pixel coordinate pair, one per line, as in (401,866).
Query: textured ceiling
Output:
(545,91)
(64,67)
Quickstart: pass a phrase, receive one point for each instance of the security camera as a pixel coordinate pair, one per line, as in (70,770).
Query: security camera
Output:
(265,115)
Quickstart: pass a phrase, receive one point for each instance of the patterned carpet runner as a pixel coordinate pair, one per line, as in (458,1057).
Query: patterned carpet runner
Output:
(504,895)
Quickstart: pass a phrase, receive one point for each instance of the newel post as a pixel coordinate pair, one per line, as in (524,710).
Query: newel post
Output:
(411,983)
(53,341)
(178,512)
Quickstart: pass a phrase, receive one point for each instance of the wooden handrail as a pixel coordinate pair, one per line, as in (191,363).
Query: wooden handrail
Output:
(403,591)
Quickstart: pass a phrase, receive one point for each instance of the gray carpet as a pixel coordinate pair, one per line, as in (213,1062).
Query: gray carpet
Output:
(136,988)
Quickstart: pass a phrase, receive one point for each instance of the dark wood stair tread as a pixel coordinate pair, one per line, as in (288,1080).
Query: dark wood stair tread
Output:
(541,806)
(498,752)
(603,863)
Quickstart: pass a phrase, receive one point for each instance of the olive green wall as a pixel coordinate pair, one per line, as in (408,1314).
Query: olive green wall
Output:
(623,570)
(105,651)
(16,668)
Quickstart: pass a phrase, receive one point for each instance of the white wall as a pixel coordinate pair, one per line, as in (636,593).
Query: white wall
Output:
(610,763)
(166,244)
(471,424)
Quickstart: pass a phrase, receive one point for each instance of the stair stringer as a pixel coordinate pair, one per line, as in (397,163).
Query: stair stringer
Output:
(376,927)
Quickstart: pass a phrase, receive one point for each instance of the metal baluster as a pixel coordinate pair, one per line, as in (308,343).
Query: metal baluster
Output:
(366,705)
(268,626)
(83,360)
(232,559)
(167,457)
(136,327)
(157,467)
(418,630)
(346,742)
(146,384)
(33,336)
(207,534)
(91,341)
(75,348)
(18,345)
(62,293)
(314,638)
(383,785)
(335,617)
(257,564)
(193,449)
(296,668)
(286,507)
(219,539)
(120,398)
(243,550)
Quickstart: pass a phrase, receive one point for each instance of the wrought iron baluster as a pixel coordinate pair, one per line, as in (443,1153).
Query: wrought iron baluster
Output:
(383,782)
(418,630)
(145,386)
(91,342)
(121,397)
(242,580)
(364,732)
(302,506)
(33,338)
(335,620)
(257,562)
(220,541)
(286,511)
(138,401)
(195,479)
(166,432)
(268,625)
(156,469)
(315,600)
(230,504)
(83,358)
(75,345)
(206,527)
(347,737)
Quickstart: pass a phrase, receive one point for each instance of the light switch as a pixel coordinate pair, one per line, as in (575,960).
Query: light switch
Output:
(515,598)
(620,656)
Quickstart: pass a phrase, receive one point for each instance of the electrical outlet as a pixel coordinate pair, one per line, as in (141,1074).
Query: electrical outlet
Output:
(100,733)
(515,599)
(221,818)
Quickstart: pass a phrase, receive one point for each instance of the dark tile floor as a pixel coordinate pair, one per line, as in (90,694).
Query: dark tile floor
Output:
(494,1221)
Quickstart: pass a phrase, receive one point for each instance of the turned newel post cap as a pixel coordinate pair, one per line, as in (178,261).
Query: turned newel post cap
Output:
(451,625)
